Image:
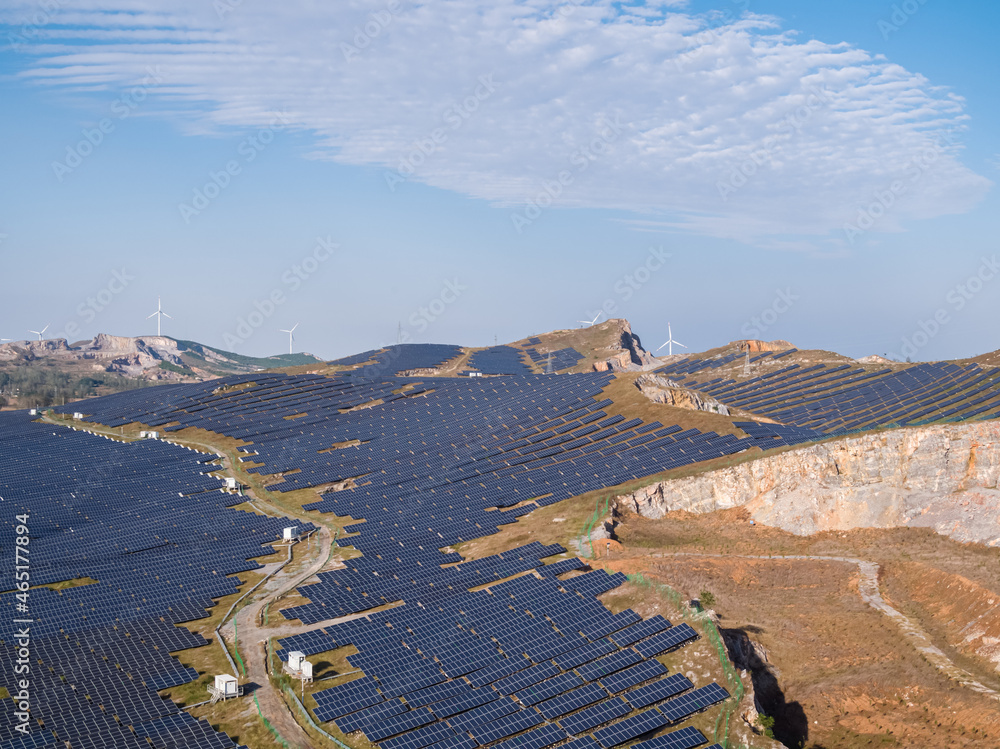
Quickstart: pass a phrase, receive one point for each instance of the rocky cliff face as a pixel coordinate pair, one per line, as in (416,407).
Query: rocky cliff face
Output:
(943,478)
(629,354)
(659,389)
(132,356)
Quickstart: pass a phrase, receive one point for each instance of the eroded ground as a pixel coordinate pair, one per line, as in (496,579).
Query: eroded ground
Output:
(839,673)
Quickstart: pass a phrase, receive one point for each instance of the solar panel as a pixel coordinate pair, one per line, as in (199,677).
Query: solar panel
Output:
(463,702)
(506,726)
(680,707)
(583,742)
(483,714)
(420,738)
(545,689)
(399,723)
(668,640)
(598,714)
(630,728)
(361,720)
(526,678)
(539,738)
(686,738)
(636,674)
(609,664)
(574,700)
(640,630)
(658,691)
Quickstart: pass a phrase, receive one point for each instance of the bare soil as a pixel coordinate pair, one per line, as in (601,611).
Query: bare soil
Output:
(838,672)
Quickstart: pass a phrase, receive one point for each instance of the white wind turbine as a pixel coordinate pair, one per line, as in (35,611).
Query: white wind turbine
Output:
(589,323)
(39,332)
(290,336)
(158,315)
(670,342)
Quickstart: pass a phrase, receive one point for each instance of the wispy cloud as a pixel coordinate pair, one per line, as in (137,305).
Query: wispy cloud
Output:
(697,99)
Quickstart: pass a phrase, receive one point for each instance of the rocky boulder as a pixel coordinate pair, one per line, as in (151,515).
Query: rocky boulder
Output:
(659,389)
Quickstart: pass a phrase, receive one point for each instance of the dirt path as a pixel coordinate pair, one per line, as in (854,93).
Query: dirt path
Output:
(868,589)
(253,641)
(253,638)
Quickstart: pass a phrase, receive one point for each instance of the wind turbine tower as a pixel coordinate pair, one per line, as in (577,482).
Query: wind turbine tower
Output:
(670,342)
(39,332)
(290,336)
(158,315)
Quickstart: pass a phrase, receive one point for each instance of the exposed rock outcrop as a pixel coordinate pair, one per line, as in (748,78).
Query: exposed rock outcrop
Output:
(631,356)
(659,389)
(132,356)
(31,350)
(942,477)
(759,347)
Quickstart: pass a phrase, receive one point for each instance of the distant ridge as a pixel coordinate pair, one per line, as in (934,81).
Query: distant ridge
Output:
(47,372)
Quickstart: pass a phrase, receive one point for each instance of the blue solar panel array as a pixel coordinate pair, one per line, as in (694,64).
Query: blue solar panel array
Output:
(534,659)
(509,660)
(499,360)
(844,398)
(146,522)
(402,357)
(564,358)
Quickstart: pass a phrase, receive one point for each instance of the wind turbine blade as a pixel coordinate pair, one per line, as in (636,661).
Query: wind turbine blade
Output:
(293,328)
(166,315)
(678,343)
(44,329)
(153,315)
(663,345)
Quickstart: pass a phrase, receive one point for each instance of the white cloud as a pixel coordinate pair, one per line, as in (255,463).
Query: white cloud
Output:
(728,127)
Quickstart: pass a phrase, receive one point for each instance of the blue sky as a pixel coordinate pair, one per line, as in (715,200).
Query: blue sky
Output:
(818,172)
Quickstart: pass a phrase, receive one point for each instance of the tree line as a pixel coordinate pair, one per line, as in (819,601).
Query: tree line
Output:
(36,387)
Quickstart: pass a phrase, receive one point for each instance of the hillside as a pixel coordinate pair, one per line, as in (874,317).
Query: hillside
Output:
(544,521)
(42,373)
